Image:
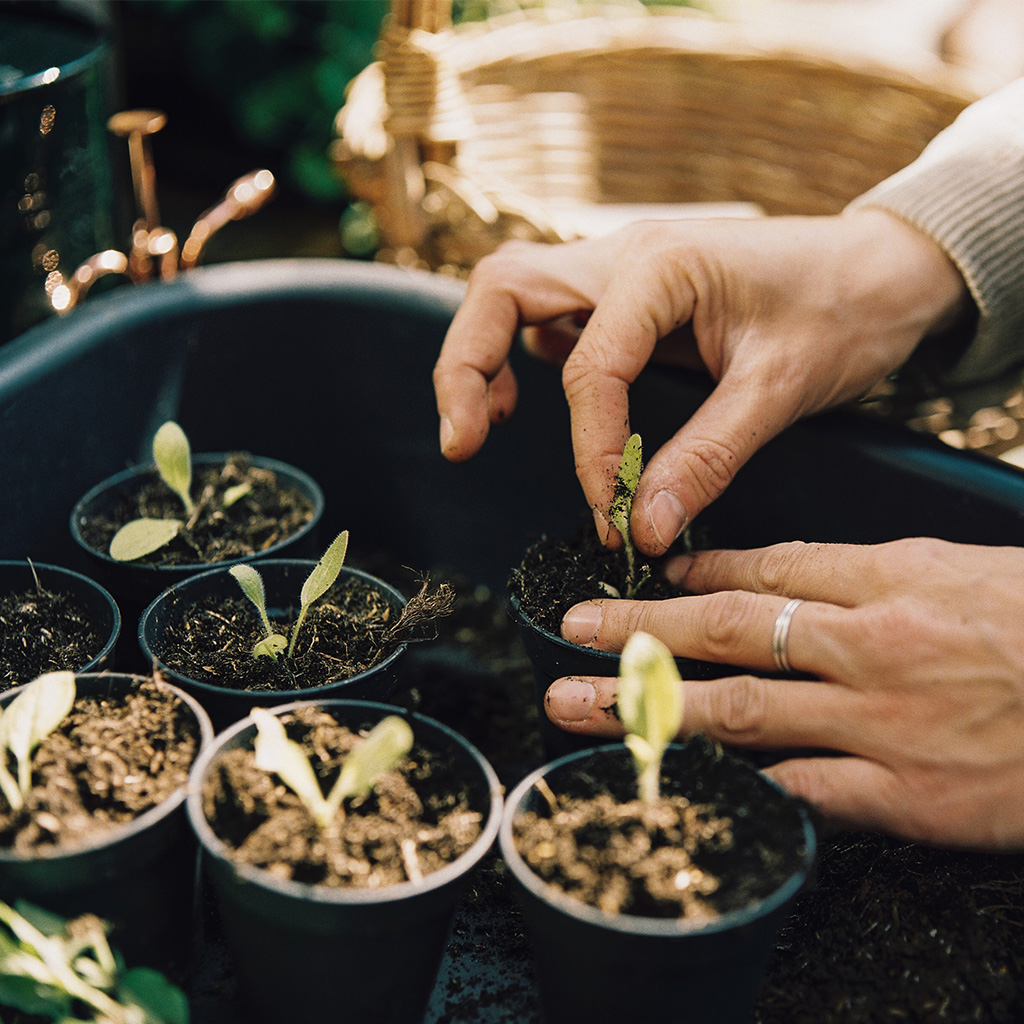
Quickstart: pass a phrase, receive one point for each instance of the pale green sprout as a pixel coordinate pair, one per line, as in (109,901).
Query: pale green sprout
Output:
(173,457)
(378,753)
(48,964)
(25,723)
(650,705)
(630,468)
(251,583)
(319,581)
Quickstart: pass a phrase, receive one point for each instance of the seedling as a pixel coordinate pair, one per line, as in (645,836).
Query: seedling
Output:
(626,482)
(650,705)
(376,755)
(319,581)
(54,969)
(25,723)
(173,458)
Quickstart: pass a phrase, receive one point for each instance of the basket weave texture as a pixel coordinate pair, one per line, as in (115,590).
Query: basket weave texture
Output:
(463,137)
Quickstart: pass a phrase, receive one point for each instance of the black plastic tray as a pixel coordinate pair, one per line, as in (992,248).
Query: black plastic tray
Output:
(326,364)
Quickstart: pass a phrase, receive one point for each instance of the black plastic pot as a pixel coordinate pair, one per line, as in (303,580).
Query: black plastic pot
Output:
(94,601)
(282,579)
(140,876)
(136,584)
(552,657)
(605,968)
(321,954)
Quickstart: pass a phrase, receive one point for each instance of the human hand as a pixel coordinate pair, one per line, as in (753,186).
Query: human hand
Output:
(790,315)
(918,662)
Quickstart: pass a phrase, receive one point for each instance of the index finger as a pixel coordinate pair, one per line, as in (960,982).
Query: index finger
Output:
(638,308)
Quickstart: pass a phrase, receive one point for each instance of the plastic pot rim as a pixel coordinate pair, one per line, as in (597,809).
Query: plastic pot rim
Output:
(213,846)
(567,645)
(635,924)
(115,631)
(303,480)
(129,829)
(254,695)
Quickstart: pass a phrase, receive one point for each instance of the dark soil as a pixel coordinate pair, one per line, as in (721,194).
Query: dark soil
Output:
(349,630)
(111,759)
(418,818)
(731,841)
(265,516)
(43,631)
(558,572)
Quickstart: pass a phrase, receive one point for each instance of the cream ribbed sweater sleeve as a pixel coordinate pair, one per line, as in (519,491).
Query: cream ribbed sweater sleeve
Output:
(966,191)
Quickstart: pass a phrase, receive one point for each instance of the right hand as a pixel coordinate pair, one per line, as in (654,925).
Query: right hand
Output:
(789,315)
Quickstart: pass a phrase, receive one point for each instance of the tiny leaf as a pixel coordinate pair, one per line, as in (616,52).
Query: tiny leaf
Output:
(276,753)
(236,493)
(319,581)
(33,715)
(270,647)
(630,468)
(326,571)
(143,536)
(382,749)
(650,705)
(173,459)
(251,583)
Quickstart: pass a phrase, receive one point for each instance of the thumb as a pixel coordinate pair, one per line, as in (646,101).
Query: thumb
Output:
(699,462)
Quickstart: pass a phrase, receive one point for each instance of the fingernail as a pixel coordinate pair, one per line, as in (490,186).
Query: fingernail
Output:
(570,699)
(581,623)
(447,430)
(677,568)
(667,517)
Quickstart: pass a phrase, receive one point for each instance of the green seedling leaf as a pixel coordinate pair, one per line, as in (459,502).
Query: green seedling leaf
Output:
(32,716)
(276,753)
(251,583)
(142,537)
(235,494)
(630,468)
(154,994)
(319,581)
(270,647)
(173,458)
(379,753)
(650,705)
(31,996)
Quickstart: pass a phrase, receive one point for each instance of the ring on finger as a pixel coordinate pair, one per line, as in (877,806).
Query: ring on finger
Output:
(780,635)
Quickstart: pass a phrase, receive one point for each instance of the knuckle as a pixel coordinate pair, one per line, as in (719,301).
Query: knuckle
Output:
(716,463)
(739,708)
(774,569)
(726,622)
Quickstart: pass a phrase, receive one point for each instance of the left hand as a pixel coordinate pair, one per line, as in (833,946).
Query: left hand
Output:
(917,654)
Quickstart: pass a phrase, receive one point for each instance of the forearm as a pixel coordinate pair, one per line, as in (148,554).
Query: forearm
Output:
(966,191)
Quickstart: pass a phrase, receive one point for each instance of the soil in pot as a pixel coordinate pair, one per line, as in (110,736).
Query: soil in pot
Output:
(727,845)
(110,760)
(220,529)
(349,630)
(558,572)
(417,819)
(44,631)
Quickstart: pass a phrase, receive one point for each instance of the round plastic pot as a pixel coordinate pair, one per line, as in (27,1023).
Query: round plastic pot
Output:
(95,602)
(608,968)
(282,580)
(551,657)
(139,876)
(136,584)
(321,954)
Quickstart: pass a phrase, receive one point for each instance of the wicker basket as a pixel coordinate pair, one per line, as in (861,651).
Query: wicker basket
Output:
(531,126)
(517,127)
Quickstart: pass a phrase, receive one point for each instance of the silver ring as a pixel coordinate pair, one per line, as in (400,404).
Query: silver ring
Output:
(780,637)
